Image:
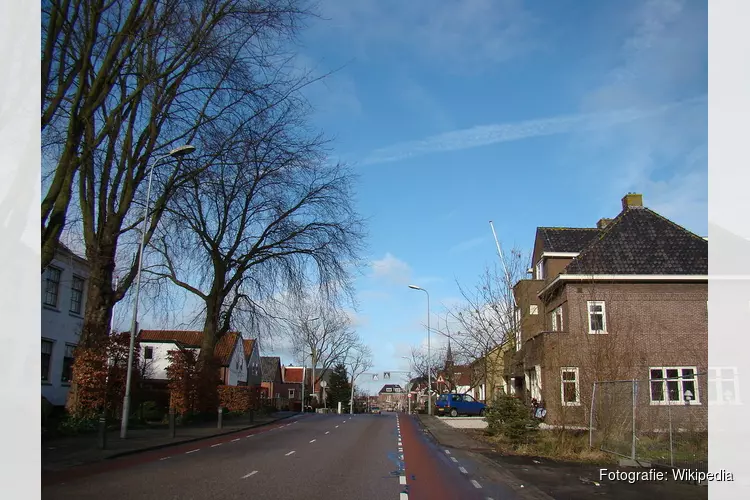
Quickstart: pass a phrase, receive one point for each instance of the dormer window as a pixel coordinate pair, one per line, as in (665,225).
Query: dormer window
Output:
(540,269)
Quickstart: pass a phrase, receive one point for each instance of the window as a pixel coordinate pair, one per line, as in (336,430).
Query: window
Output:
(569,386)
(388,389)
(597,316)
(291,393)
(540,270)
(46,358)
(51,286)
(67,371)
(533,310)
(557,319)
(722,386)
(76,295)
(468,398)
(148,352)
(673,385)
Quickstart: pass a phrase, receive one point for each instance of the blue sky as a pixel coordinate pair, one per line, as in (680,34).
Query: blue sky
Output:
(529,114)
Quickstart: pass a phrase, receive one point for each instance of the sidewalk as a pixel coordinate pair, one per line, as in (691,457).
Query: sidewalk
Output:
(66,452)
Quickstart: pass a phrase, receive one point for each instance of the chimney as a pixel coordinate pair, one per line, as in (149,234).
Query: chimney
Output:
(603,223)
(632,200)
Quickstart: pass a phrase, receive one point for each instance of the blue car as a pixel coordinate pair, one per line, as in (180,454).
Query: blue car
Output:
(459,404)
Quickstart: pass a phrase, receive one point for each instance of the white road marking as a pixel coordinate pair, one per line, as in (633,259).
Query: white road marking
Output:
(447,452)
(337,426)
(327,432)
(403,496)
(455,460)
(235,440)
(215,445)
(290,453)
(312,441)
(165,458)
(462,470)
(402,479)
(249,436)
(191,451)
(248,475)
(476,484)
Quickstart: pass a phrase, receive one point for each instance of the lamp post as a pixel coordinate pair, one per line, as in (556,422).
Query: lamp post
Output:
(175,153)
(429,355)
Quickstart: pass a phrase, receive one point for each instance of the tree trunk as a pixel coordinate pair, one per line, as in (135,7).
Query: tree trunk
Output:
(208,397)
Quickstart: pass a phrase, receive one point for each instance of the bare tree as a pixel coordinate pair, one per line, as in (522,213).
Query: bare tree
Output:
(488,320)
(319,331)
(358,361)
(270,215)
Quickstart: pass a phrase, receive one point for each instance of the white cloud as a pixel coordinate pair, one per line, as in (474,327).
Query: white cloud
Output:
(391,269)
(470,35)
(467,245)
(484,135)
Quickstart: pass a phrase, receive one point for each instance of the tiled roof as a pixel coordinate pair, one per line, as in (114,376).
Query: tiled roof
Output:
(640,241)
(292,375)
(566,239)
(270,367)
(184,337)
(225,347)
(193,339)
(247,345)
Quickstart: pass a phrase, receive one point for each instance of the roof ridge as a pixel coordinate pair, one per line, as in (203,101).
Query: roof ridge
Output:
(674,223)
(592,244)
(566,227)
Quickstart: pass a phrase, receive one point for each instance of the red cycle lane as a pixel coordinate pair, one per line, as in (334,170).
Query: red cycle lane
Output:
(430,475)
(141,457)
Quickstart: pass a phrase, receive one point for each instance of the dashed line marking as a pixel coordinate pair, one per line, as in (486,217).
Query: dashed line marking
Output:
(337,427)
(476,484)
(248,475)
(463,471)
(455,460)
(290,453)
(402,479)
(447,452)
(328,432)
(215,445)
(235,440)
(249,436)
(165,458)
(403,496)
(191,451)
(312,441)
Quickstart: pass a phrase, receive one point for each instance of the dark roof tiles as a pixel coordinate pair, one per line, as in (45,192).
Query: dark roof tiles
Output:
(566,239)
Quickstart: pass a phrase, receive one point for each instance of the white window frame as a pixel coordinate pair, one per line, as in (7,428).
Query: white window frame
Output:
(47,282)
(74,291)
(518,328)
(576,383)
(533,309)
(540,269)
(680,379)
(717,381)
(589,305)
(557,319)
(291,393)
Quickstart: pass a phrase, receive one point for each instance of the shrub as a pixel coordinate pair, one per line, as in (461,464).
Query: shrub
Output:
(74,425)
(236,399)
(511,418)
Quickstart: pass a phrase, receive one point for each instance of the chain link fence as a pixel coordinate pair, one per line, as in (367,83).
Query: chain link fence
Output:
(661,421)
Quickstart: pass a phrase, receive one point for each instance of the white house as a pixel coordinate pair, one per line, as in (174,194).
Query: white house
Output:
(63,302)
(156,344)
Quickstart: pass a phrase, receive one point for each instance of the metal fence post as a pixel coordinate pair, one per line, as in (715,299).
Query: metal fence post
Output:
(632,451)
(591,417)
(221,415)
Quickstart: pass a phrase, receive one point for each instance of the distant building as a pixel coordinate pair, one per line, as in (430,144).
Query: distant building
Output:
(392,397)
(64,284)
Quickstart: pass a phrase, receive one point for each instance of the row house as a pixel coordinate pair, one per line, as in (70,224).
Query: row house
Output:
(63,302)
(625,300)
(391,397)
(229,351)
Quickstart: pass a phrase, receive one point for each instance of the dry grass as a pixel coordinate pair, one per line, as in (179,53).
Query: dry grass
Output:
(564,446)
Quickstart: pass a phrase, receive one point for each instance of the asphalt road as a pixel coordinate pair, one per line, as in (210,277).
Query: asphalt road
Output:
(308,457)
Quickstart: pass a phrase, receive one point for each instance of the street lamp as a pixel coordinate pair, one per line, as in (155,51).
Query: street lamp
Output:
(429,357)
(175,153)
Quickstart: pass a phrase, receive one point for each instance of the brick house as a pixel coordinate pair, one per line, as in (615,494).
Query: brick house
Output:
(624,300)
(392,397)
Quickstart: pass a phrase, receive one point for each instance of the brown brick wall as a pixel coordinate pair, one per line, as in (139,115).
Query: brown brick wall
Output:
(648,324)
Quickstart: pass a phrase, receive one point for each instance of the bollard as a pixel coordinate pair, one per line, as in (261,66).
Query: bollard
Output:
(172,423)
(102,433)
(221,415)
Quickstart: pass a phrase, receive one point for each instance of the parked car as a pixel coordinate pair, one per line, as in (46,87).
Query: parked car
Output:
(375,410)
(459,404)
